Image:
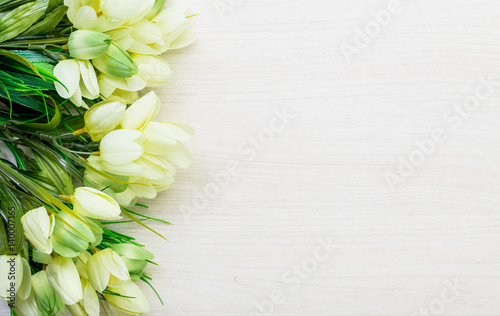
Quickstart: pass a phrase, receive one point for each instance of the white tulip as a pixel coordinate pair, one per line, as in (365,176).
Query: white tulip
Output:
(15,277)
(147,38)
(63,276)
(104,117)
(152,69)
(142,112)
(79,80)
(38,226)
(89,304)
(165,139)
(131,302)
(93,203)
(174,27)
(119,151)
(106,268)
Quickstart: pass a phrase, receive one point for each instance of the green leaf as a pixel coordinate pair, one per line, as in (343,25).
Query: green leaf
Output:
(23,99)
(8,5)
(20,19)
(53,4)
(57,174)
(48,24)
(34,56)
(21,60)
(32,81)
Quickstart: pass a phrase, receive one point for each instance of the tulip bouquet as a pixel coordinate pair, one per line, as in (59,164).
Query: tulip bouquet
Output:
(79,145)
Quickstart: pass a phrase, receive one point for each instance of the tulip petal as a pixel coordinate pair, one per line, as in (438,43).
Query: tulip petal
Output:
(85,19)
(25,287)
(116,10)
(98,277)
(68,72)
(133,83)
(185,39)
(170,19)
(180,156)
(146,32)
(143,111)
(89,79)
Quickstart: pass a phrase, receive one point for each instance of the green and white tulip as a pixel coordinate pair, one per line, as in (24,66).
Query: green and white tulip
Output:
(135,258)
(116,62)
(87,44)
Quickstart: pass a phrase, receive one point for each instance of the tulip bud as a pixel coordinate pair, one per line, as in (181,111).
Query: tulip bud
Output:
(71,235)
(104,117)
(116,62)
(15,277)
(87,44)
(143,111)
(135,258)
(63,276)
(130,302)
(93,203)
(152,69)
(38,226)
(106,268)
(47,301)
(89,304)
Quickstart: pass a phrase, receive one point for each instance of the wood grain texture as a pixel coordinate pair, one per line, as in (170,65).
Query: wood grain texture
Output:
(428,245)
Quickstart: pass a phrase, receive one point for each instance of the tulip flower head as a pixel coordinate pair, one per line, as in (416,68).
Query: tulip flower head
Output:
(48,303)
(78,79)
(63,276)
(72,234)
(104,117)
(38,226)
(93,203)
(15,277)
(87,44)
(135,258)
(106,268)
(130,302)
(116,62)
(152,69)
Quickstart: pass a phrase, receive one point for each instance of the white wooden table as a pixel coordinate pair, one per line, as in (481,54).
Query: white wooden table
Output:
(345,162)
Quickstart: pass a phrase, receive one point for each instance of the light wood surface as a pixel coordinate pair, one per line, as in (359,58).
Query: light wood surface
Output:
(427,243)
